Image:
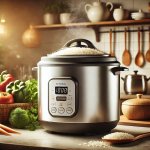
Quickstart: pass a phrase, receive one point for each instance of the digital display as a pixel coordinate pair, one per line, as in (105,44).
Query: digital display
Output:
(61,90)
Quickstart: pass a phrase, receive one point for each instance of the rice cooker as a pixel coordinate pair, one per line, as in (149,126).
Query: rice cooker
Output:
(79,89)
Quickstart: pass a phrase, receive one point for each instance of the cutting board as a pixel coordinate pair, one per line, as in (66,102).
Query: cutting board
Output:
(125,121)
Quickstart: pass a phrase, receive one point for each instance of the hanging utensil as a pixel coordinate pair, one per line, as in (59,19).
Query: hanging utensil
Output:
(126,57)
(139,59)
(147,56)
(111,52)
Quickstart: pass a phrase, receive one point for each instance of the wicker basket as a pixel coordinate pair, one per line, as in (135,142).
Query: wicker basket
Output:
(5,110)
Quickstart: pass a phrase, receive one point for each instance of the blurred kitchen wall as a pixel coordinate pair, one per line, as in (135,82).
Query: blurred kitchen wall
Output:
(19,14)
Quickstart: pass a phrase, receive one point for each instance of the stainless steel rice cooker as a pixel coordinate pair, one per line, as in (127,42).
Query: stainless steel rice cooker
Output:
(79,89)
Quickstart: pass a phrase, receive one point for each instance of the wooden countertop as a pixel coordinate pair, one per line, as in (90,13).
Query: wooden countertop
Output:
(43,140)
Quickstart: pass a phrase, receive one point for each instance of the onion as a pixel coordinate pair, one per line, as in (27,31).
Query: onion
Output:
(31,38)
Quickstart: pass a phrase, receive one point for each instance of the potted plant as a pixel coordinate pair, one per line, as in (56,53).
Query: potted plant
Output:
(65,13)
(51,15)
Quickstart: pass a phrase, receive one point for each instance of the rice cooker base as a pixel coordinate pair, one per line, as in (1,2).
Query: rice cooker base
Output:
(79,128)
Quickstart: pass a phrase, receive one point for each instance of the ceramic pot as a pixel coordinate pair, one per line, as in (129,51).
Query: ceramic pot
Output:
(137,109)
(65,18)
(50,18)
(138,15)
(31,38)
(118,14)
(97,12)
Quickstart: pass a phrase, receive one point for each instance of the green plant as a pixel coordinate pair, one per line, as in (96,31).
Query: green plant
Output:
(52,7)
(64,7)
(57,7)
(23,91)
(32,90)
(33,117)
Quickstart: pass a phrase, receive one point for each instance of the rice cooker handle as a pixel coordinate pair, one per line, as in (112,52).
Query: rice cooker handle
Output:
(79,43)
(116,70)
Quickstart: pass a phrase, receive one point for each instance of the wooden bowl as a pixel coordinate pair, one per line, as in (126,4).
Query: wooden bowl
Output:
(136,109)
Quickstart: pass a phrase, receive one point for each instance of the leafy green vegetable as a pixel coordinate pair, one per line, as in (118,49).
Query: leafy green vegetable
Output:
(25,119)
(32,90)
(19,118)
(23,91)
(18,89)
(33,116)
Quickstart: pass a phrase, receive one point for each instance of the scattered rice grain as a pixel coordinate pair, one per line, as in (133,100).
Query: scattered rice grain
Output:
(94,144)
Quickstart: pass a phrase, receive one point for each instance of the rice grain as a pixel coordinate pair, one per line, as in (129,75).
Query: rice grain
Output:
(119,136)
(77,51)
(97,145)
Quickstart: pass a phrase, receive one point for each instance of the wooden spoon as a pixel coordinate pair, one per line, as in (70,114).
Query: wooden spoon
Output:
(126,57)
(111,52)
(139,59)
(147,57)
(119,141)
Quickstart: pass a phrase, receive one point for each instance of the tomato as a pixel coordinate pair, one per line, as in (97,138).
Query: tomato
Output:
(6,98)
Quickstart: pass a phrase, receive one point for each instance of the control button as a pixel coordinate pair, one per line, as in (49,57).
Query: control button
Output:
(53,110)
(69,110)
(61,110)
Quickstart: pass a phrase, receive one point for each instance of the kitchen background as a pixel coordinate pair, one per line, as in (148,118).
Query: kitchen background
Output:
(20,14)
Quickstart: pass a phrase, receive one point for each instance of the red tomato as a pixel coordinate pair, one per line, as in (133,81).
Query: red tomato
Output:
(6,98)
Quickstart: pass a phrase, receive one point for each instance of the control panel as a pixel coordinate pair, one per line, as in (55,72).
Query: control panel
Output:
(62,97)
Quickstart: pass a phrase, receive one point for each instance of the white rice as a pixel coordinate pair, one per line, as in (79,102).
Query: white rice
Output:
(119,136)
(96,144)
(101,145)
(77,51)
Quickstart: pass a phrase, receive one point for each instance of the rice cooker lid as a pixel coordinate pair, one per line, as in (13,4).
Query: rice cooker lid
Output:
(79,51)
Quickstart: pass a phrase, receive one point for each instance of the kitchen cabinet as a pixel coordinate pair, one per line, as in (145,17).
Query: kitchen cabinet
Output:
(44,140)
(95,26)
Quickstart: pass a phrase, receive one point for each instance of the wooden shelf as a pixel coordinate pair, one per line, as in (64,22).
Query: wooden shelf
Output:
(96,24)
